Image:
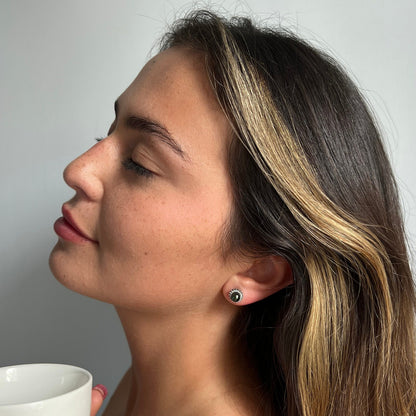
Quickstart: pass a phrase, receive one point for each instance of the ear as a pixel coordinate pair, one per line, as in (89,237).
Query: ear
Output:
(264,277)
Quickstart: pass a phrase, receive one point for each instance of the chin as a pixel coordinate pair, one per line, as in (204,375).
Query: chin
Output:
(65,271)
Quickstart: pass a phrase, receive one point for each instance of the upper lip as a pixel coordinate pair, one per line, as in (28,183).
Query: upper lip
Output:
(68,217)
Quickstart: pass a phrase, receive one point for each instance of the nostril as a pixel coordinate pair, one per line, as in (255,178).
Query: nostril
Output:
(83,176)
(73,173)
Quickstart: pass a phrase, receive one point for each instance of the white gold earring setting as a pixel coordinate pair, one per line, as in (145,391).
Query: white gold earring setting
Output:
(235,295)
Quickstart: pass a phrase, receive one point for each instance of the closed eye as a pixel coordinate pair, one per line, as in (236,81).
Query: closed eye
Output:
(130,164)
(140,170)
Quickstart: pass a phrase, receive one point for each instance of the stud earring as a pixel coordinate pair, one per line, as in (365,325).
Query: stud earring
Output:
(235,295)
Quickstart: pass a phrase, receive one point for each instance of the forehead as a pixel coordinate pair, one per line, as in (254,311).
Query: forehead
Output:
(173,88)
(177,74)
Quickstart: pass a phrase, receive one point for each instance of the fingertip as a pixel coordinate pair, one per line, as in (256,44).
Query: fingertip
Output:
(98,394)
(102,389)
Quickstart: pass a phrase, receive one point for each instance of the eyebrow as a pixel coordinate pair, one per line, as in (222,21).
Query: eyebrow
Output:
(145,124)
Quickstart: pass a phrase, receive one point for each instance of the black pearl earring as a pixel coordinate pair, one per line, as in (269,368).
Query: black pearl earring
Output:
(235,295)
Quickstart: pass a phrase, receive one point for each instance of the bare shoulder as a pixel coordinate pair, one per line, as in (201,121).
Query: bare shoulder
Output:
(118,402)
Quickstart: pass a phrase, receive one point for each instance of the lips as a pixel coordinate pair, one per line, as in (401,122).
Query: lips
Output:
(67,229)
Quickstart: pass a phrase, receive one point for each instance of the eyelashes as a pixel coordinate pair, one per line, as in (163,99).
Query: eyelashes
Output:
(130,164)
(140,170)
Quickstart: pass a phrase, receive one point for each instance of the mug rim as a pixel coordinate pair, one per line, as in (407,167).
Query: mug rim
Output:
(50,399)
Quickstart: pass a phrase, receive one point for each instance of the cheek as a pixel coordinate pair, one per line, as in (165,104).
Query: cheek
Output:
(167,245)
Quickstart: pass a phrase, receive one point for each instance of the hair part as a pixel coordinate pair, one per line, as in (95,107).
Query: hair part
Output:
(312,183)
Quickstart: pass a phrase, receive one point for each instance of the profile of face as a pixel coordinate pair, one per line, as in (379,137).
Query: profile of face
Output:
(152,199)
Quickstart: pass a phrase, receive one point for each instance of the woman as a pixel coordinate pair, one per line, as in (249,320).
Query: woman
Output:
(243,218)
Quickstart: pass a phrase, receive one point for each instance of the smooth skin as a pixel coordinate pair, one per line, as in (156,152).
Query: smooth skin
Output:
(157,253)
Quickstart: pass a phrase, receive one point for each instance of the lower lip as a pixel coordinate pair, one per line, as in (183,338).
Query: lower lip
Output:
(66,231)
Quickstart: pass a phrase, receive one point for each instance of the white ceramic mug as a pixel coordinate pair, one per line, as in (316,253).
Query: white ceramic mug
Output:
(45,390)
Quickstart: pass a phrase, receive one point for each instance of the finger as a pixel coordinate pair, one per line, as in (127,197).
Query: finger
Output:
(98,394)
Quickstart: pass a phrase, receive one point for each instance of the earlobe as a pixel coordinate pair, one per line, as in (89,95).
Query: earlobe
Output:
(263,278)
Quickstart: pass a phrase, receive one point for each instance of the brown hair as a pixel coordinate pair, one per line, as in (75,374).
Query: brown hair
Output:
(312,183)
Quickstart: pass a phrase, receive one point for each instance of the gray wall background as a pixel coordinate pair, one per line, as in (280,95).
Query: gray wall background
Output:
(63,63)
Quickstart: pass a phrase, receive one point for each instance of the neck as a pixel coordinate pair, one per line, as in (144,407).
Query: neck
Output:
(186,363)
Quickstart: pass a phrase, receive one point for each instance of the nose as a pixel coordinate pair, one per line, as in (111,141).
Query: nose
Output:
(85,173)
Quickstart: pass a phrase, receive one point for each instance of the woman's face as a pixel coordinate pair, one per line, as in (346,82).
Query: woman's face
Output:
(154,196)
